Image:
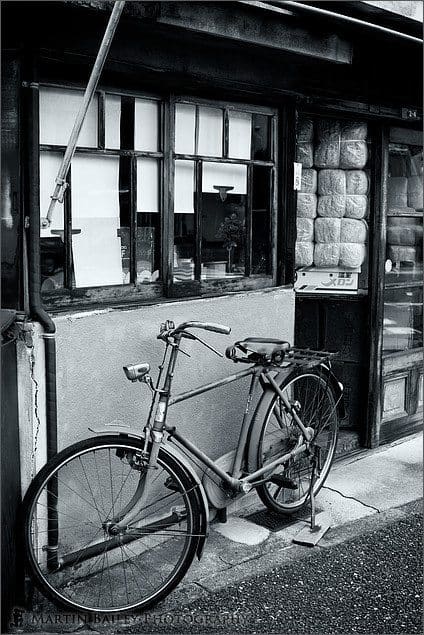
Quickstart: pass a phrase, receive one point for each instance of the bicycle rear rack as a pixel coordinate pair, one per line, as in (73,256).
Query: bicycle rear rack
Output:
(306,357)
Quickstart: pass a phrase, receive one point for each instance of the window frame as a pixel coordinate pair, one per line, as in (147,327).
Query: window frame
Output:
(133,292)
(222,285)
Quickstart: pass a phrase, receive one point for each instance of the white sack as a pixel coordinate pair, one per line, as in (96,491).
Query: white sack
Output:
(327,154)
(305,154)
(305,130)
(326,255)
(356,182)
(351,255)
(353,154)
(327,230)
(306,205)
(331,182)
(353,231)
(309,181)
(305,230)
(304,254)
(356,206)
(354,130)
(328,130)
(332,206)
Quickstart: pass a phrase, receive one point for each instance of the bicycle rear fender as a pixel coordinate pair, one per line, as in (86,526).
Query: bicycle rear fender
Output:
(124,431)
(336,386)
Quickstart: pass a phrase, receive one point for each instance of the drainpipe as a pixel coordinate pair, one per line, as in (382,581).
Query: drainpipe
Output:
(37,311)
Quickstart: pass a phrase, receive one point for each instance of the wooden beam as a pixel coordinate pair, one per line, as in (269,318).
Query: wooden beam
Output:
(254,26)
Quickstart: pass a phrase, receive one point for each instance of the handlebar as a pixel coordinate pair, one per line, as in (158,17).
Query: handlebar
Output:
(207,326)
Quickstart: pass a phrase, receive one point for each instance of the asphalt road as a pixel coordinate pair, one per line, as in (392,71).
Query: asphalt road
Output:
(369,584)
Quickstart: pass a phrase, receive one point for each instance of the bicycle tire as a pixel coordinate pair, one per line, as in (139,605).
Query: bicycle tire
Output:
(274,432)
(100,573)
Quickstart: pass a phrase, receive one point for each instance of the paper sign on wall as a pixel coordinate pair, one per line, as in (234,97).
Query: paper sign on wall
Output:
(297,176)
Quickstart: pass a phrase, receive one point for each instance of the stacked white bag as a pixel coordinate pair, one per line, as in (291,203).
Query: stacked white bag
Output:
(332,203)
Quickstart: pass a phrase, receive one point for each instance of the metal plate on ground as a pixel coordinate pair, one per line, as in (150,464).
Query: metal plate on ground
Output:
(276,522)
(309,537)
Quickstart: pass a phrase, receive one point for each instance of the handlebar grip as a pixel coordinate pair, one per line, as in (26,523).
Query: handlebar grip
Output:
(207,326)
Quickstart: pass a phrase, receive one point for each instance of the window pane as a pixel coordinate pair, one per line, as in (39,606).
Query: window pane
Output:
(147,185)
(210,132)
(58,110)
(52,245)
(261,221)
(96,218)
(240,134)
(185,115)
(184,187)
(184,221)
(146,125)
(261,137)
(229,176)
(148,220)
(223,220)
(112,121)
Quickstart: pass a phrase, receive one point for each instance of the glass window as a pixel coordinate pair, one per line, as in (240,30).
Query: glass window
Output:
(185,115)
(112,121)
(146,125)
(107,230)
(96,243)
(403,299)
(210,132)
(58,110)
(224,198)
(52,245)
(240,134)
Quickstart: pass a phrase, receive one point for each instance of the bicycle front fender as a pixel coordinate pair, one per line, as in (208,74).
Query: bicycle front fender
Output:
(121,429)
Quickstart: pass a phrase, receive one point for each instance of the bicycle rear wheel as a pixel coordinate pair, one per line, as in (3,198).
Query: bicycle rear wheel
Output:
(73,558)
(275,433)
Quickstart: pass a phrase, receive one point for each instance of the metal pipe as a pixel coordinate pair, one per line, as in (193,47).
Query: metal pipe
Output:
(348,18)
(88,95)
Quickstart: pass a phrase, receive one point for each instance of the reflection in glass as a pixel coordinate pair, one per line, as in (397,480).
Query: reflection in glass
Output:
(148,220)
(403,298)
(261,137)
(52,246)
(224,197)
(261,221)
(403,319)
(184,222)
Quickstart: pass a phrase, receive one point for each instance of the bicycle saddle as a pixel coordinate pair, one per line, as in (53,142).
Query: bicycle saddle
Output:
(258,350)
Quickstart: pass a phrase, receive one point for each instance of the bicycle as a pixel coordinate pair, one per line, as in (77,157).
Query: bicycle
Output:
(112,523)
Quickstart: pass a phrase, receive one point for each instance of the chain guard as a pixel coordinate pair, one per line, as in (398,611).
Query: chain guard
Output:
(218,493)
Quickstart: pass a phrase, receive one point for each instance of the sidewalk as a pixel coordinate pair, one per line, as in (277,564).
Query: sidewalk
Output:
(363,485)
(369,490)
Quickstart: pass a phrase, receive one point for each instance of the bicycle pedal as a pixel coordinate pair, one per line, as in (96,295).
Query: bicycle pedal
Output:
(283,481)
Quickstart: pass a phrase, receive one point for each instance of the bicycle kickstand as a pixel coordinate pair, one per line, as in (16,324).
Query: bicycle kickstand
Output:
(319,523)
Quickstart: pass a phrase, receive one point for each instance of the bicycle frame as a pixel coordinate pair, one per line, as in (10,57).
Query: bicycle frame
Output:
(155,432)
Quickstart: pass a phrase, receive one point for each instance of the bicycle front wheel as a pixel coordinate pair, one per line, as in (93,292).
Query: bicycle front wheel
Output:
(275,433)
(76,561)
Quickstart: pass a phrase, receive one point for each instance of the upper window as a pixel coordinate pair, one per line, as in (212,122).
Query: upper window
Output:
(108,229)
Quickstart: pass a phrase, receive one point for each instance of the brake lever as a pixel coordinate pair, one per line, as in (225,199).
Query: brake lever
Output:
(191,336)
